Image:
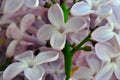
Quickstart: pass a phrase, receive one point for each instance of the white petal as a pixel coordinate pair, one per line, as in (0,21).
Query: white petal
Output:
(11,48)
(80,9)
(115,18)
(26,22)
(13,70)
(75,24)
(116,2)
(103,33)
(105,73)
(90,2)
(117,71)
(25,56)
(93,62)
(35,73)
(45,32)
(55,15)
(83,73)
(57,41)
(13,31)
(12,6)
(46,56)
(104,11)
(117,38)
(32,3)
(104,51)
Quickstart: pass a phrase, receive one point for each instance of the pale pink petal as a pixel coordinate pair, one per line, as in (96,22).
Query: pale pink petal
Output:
(32,3)
(115,18)
(11,48)
(83,73)
(25,43)
(46,56)
(26,22)
(55,15)
(12,6)
(80,9)
(35,73)
(93,62)
(13,31)
(117,71)
(103,33)
(79,36)
(13,70)
(117,38)
(104,11)
(5,21)
(45,32)
(57,41)
(104,51)
(25,56)
(75,24)
(105,73)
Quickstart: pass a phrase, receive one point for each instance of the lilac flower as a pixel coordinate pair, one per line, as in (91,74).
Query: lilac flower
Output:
(111,59)
(55,69)
(17,34)
(58,30)
(105,33)
(85,73)
(99,7)
(30,65)
(12,6)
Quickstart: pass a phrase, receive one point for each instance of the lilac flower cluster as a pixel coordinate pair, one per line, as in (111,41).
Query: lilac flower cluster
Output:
(59,40)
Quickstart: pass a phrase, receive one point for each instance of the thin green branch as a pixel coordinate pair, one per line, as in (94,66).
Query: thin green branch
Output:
(81,44)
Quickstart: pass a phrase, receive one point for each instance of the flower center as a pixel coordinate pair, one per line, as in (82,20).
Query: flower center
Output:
(61,30)
(30,65)
(74,70)
(113,59)
(116,31)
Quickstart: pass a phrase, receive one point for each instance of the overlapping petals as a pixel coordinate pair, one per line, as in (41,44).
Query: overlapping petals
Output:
(86,73)
(98,7)
(57,32)
(17,34)
(12,6)
(30,65)
(110,57)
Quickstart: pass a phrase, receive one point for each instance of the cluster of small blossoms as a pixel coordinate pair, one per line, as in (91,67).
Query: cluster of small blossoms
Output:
(59,40)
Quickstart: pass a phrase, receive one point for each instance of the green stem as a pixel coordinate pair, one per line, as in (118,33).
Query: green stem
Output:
(68,60)
(65,10)
(66,51)
(81,44)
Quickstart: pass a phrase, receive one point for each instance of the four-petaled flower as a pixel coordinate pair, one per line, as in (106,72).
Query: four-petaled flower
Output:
(111,60)
(30,65)
(57,31)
